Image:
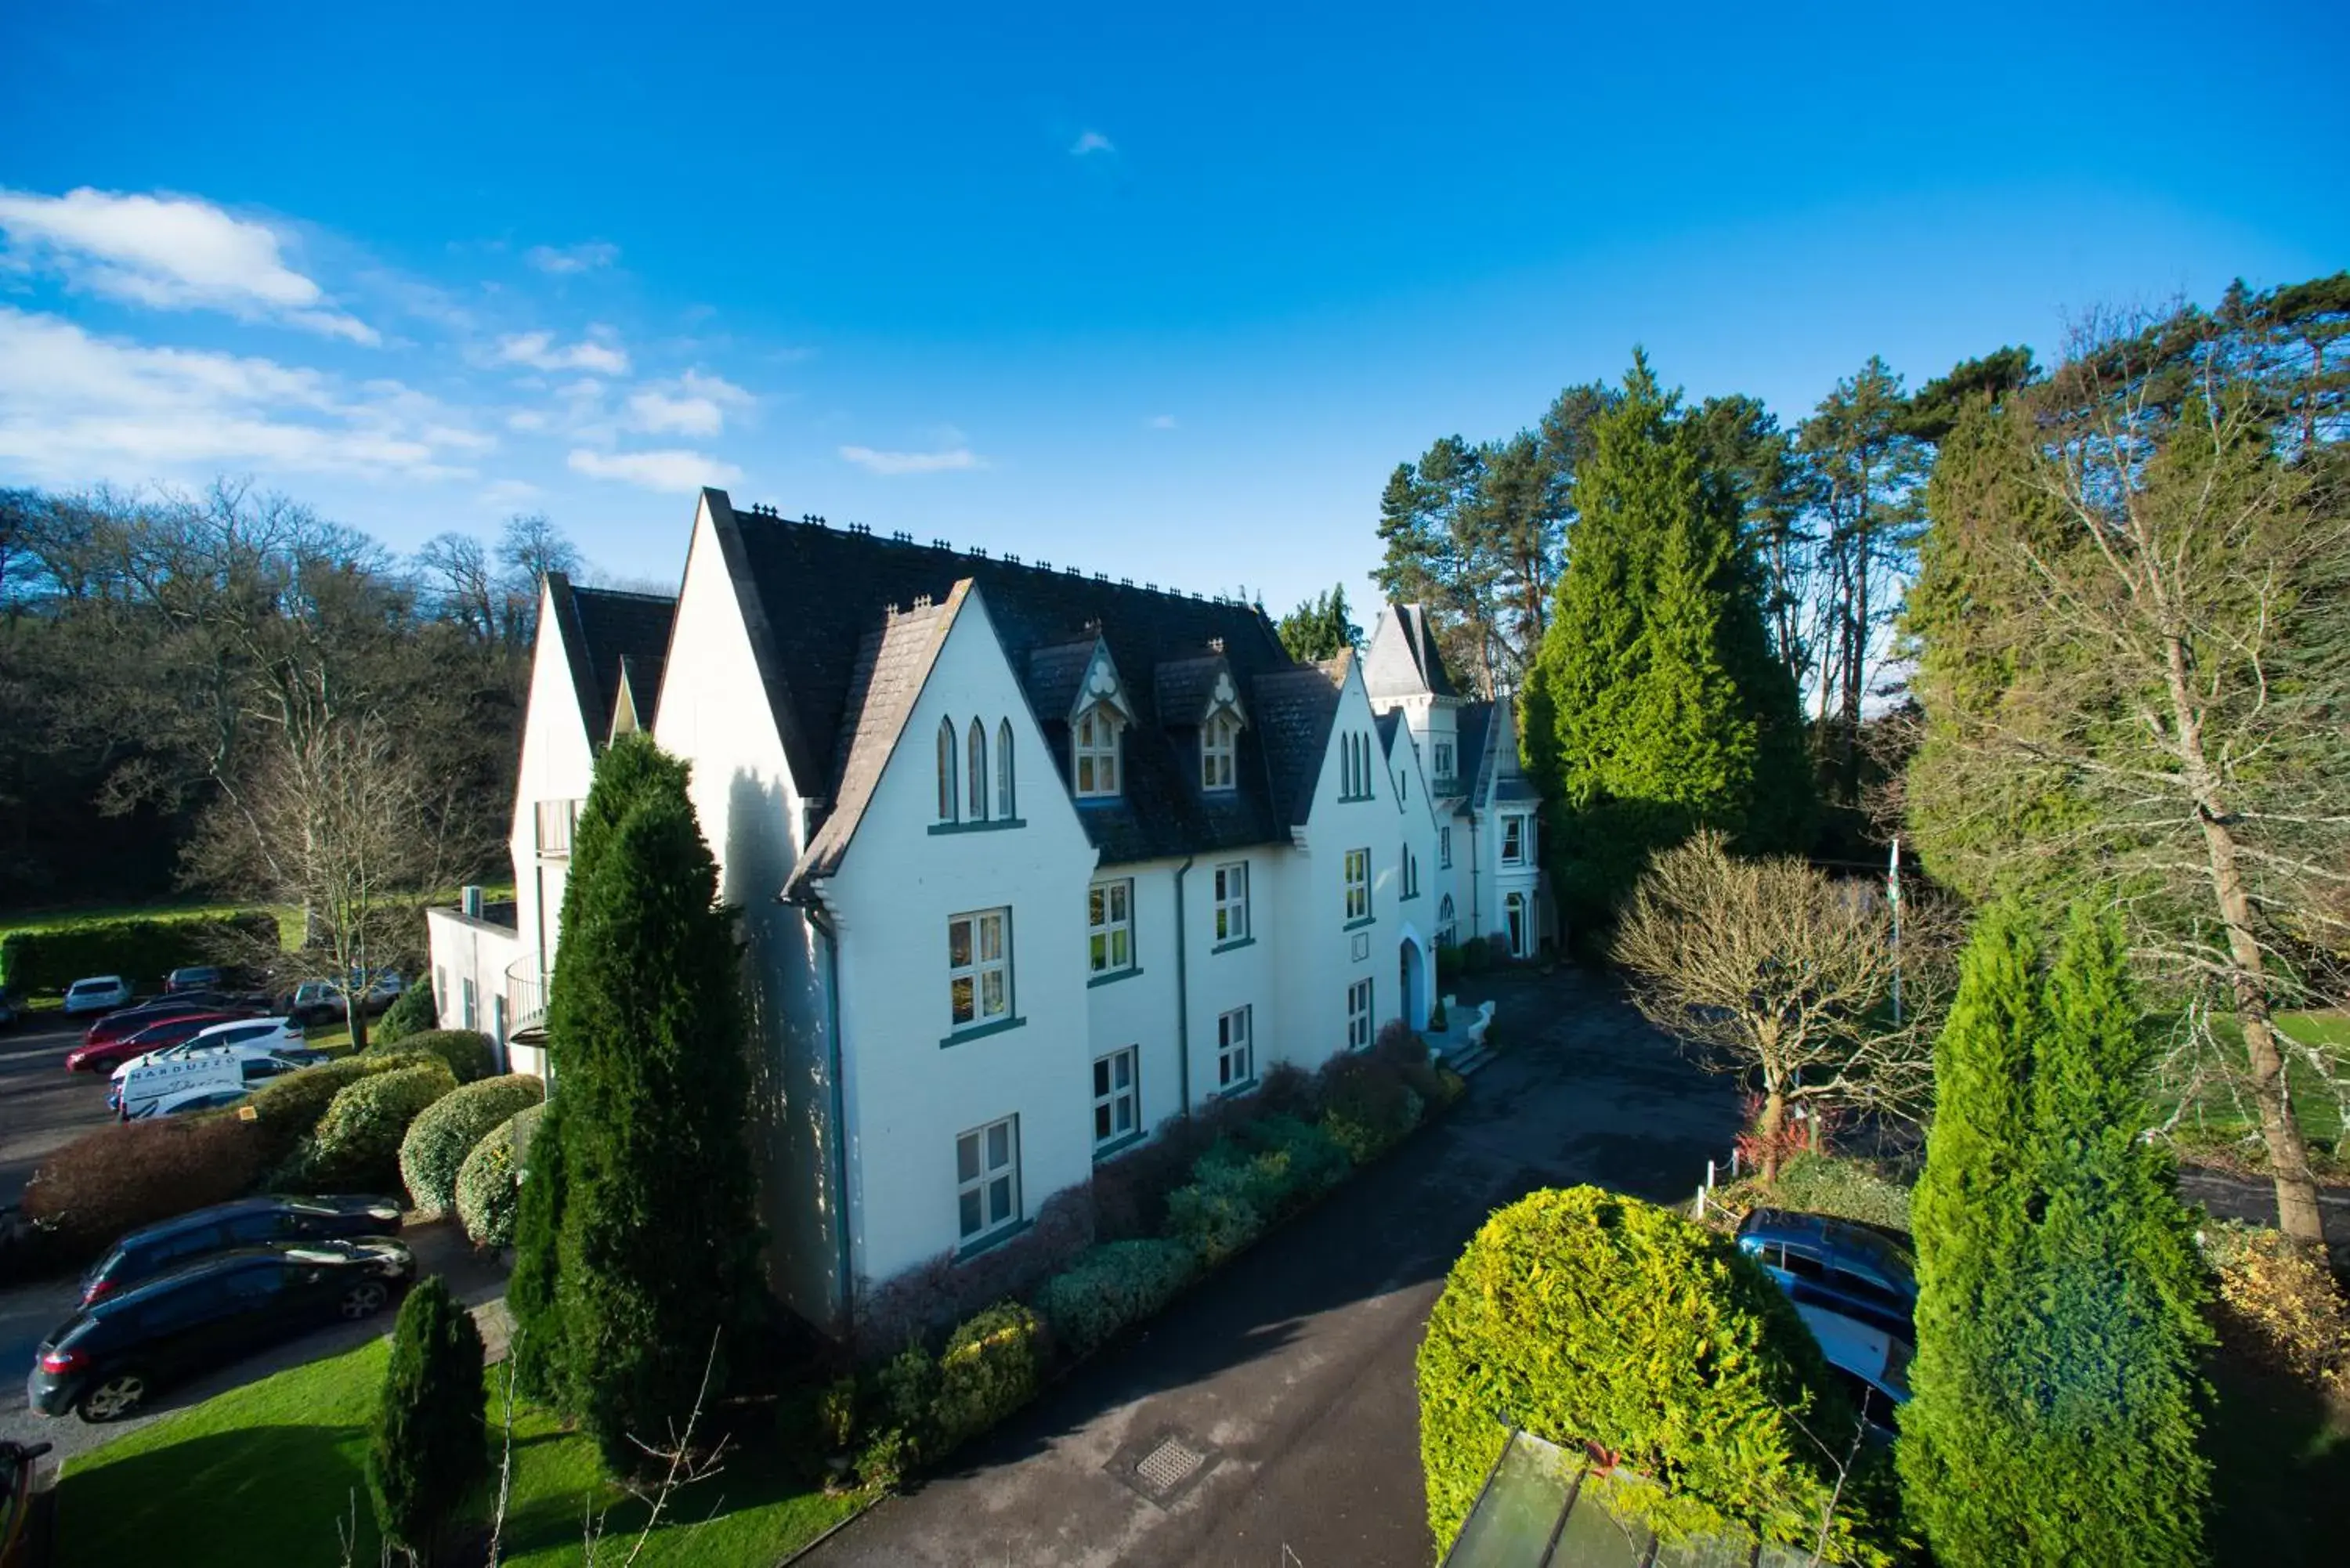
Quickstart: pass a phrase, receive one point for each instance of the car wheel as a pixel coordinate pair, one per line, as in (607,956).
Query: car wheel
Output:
(364,1300)
(115,1396)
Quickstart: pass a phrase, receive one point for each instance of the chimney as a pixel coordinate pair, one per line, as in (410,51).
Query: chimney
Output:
(469,901)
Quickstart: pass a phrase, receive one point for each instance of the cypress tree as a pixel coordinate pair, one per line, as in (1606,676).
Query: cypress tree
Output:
(656,1240)
(1654,705)
(627,771)
(428,1448)
(1962,1474)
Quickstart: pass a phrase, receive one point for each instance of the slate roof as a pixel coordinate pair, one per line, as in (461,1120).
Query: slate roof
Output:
(812,594)
(1498,779)
(1472,724)
(1403,659)
(1295,710)
(605,631)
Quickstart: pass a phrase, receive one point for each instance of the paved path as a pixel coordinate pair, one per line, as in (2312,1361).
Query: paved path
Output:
(1295,1363)
(42,1105)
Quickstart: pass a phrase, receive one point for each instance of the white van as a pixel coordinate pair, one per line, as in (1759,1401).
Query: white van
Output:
(160,1087)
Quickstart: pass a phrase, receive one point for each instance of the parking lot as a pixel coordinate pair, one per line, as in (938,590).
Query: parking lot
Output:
(42,1105)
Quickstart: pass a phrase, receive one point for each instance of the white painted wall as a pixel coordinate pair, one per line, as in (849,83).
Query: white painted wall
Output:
(908,1087)
(468,950)
(559,763)
(1416,831)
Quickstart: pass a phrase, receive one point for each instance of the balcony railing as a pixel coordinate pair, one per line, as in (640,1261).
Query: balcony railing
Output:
(525,996)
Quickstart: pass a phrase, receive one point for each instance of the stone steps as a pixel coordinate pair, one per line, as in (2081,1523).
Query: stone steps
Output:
(1468,1061)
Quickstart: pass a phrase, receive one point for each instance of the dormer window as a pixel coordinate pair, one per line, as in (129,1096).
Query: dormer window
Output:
(1096,734)
(1218,747)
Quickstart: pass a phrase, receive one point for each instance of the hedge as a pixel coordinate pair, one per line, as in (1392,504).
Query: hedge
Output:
(470,1055)
(413,1012)
(288,1109)
(141,951)
(1586,1317)
(486,1192)
(988,1370)
(1112,1285)
(118,1178)
(357,1141)
(445,1133)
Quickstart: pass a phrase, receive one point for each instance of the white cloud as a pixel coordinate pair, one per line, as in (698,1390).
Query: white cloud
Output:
(76,408)
(1160,422)
(694,404)
(671,470)
(873,462)
(599,351)
(172,252)
(509,493)
(572,258)
(1091,142)
(526,420)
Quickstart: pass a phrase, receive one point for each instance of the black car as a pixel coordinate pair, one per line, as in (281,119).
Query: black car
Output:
(9,1016)
(103,1362)
(249,1221)
(196,977)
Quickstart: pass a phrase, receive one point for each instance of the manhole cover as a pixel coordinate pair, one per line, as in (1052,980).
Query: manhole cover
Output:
(1165,1465)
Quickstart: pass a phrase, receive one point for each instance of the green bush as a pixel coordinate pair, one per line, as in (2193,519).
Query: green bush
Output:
(1310,1160)
(1224,1209)
(1366,1106)
(413,1013)
(357,1141)
(1112,1285)
(441,1138)
(428,1448)
(141,951)
(288,1109)
(488,1186)
(1586,1317)
(470,1055)
(1840,1188)
(118,1177)
(988,1370)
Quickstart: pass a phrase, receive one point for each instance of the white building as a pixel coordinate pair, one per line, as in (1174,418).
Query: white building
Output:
(1027,861)
(1485,872)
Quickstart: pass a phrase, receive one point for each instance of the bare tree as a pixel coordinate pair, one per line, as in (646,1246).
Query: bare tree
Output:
(2136,635)
(1783,977)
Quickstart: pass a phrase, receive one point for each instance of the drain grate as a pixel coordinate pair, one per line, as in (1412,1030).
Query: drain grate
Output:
(1165,1465)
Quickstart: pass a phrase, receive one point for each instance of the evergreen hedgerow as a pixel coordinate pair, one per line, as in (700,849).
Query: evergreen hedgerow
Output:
(654,1239)
(428,1448)
(2058,1407)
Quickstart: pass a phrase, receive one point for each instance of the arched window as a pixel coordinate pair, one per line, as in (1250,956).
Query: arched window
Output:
(975,804)
(1513,912)
(946,771)
(1444,922)
(1096,740)
(1218,742)
(1003,797)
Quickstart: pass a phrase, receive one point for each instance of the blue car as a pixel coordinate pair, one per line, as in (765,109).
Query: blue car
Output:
(1831,1266)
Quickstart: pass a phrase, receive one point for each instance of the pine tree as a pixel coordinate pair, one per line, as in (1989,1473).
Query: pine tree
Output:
(1961,1474)
(430,1448)
(629,770)
(1655,705)
(656,1240)
(2057,1403)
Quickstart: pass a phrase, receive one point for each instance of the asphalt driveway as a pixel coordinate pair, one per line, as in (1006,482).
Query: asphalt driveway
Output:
(1284,1383)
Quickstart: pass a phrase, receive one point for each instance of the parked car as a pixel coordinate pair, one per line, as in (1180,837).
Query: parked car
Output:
(141,1086)
(9,1016)
(323,1001)
(252,1036)
(17,1546)
(97,993)
(111,1053)
(104,1362)
(128,1020)
(248,1223)
(1835,1266)
(196,977)
(212,1094)
(1874,1365)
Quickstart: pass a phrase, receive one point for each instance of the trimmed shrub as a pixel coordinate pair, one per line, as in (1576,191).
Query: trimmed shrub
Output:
(357,1141)
(1227,1206)
(141,951)
(471,1055)
(1284,1089)
(1312,1163)
(1112,1285)
(441,1138)
(1584,1317)
(118,1178)
(412,1012)
(932,1296)
(988,1370)
(288,1109)
(428,1448)
(488,1185)
(1366,1106)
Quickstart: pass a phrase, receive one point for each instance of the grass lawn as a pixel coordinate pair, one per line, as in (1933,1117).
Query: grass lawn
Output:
(2312,1103)
(2280,1469)
(264,1473)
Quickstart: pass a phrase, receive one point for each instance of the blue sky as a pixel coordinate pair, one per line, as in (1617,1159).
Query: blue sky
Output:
(1162,293)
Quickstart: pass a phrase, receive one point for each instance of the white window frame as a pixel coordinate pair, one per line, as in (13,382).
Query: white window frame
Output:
(1359,1015)
(1109,917)
(1220,754)
(1111,1097)
(1231,889)
(949,789)
(1006,802)
(974,972)
(1447,923)
(1093,742)
(1358,884)
(472,1011)
(1235,1049)
(1444,759)
(988,1181)
(1410,873)
(555,823)
(1517,920)
(440,991)
(1514,823)
(1444,849)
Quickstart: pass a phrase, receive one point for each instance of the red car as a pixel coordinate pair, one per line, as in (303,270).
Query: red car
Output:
(125,1021)
(107,1055)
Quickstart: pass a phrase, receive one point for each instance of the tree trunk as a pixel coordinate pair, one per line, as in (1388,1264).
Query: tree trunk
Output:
(1767,1132)
(2298,1215)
